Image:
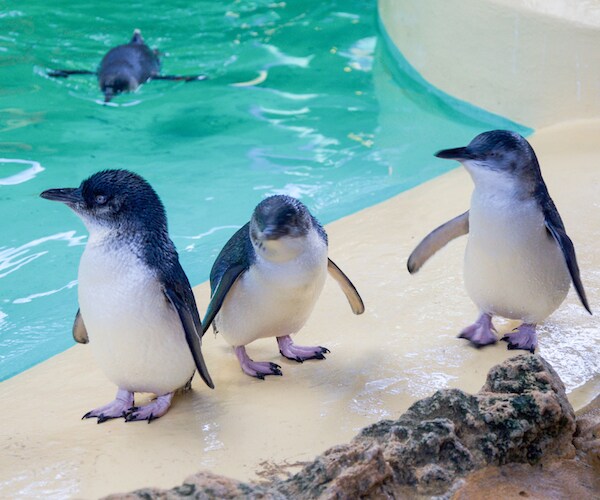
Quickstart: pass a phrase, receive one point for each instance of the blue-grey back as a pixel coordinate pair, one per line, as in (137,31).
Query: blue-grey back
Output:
(237,251)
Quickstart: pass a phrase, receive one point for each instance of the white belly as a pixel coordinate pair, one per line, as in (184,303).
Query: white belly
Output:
(513,266)
(135,335)
(273,299)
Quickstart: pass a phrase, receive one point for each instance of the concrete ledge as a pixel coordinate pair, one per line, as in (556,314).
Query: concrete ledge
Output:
(403,348)
(535,62)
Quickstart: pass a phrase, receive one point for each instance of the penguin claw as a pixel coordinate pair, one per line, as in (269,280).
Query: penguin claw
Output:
(524,338)
(480,333)
(114,409)
(298,353)
(257,369)
(103,418)
(151,411)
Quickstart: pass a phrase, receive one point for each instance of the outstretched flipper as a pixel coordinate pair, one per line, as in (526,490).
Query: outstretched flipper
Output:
(65,73)
(356,303)
(182,299)
(556,228)
(437,239)
(184,78)
(79,330)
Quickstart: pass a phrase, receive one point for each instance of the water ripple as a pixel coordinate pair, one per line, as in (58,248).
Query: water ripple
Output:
(24,175)
(13,258)
(29,298)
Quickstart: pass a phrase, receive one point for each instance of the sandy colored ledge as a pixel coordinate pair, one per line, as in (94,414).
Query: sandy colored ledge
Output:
(533,61)
(403,348)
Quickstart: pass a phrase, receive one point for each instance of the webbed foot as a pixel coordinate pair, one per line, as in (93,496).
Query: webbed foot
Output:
(481,332)
(525,337)
(151,411)
(289,350)
(115,409)
(258,369)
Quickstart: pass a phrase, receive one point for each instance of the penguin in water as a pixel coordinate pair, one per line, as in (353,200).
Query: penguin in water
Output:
(125,67)
(267,279)
(136,306)
(519,261)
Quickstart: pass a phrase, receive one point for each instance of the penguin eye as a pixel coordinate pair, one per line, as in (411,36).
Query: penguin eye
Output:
(101,199)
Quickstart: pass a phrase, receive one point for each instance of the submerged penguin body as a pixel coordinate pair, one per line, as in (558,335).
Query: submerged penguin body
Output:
(125,67)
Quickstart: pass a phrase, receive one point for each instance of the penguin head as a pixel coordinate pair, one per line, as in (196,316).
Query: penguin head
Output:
(278,226)
(497,156)
(137,37)
(114,199)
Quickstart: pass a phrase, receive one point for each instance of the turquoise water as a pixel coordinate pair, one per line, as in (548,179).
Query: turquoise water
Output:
(331,124)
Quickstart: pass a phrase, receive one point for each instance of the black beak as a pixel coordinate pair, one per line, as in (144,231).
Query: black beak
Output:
(65,195)
(457,154)
(271,232)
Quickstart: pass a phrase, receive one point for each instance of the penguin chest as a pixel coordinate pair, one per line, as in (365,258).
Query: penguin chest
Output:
(135,334)
(272,299)
(513,267)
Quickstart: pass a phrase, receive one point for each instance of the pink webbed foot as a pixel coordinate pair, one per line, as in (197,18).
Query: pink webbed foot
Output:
(151,411)
(525,337)
(289,350)
(481,332)
(115,409)
(258,369)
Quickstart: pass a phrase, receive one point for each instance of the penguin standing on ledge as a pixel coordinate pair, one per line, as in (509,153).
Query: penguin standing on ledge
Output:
(519,261)
(125,67)
(137,309)
(267,279)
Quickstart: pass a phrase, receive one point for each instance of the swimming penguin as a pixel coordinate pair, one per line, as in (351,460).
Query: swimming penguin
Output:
(267,279)
(519,261)
(125,67)
(137,308)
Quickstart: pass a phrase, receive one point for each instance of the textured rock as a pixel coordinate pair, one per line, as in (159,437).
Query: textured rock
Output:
(521,415)
(587,436)
(202,486)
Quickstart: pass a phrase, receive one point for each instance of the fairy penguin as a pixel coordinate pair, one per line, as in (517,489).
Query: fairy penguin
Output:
(519,261)
(125,67)
(137,309)
(267,279)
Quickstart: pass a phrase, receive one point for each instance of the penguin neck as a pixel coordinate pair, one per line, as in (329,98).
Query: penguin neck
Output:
(286,248)
(120,235)
(497,185)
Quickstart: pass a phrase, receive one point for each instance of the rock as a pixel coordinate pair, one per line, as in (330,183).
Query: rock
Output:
(521,415)
(587,436)
(202,486)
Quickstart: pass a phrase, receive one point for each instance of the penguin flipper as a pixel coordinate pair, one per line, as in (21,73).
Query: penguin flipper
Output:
(190,320)
(226,282)
(79,331)
(556,228)
(65,73)
(185,78)
(350,291)
(438,238)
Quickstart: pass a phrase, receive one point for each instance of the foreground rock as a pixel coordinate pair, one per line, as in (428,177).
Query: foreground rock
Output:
(520,416)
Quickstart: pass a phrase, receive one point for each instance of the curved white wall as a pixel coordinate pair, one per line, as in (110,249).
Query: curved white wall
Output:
(536,62)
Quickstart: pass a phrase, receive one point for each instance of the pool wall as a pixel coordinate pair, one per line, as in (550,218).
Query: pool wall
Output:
(535,62)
